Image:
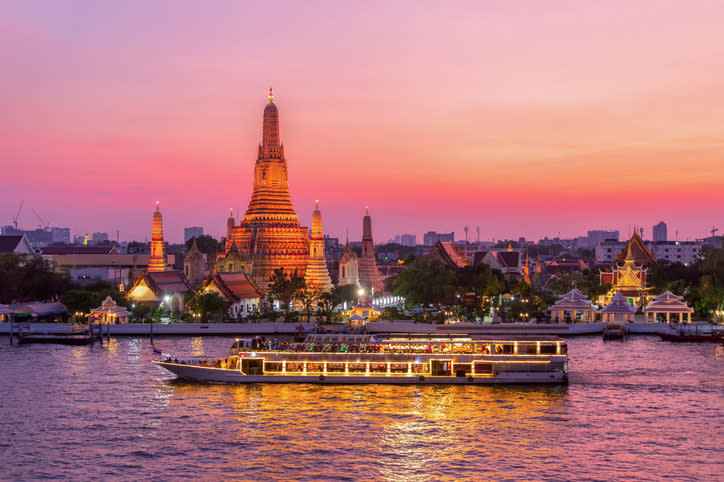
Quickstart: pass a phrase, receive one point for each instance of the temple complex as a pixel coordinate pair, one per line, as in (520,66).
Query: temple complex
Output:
(317,275)
(369,276)
(627,276)
(348,264)
(157,262)
(269,235)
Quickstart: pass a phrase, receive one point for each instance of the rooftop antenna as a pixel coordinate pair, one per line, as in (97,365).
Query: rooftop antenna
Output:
(477,228)
(713,231)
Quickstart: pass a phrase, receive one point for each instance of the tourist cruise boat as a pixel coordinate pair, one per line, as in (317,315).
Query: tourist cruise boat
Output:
(356,359)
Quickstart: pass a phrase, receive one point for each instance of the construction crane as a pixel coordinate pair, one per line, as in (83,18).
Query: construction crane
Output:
(15,219)
(713,231)
(43,224)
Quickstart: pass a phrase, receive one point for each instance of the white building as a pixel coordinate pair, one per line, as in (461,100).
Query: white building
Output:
(685,252)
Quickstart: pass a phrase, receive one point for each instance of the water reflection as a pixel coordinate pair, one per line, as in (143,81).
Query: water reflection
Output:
(635,410)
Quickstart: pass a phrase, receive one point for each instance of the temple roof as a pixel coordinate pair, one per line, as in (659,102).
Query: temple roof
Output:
(618,304)
(449,254)
(163,282)
(15,243)
(668,302)
(234,286)
(508,259)
(636,249)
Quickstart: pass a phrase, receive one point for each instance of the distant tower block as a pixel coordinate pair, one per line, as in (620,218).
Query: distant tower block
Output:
(157,262)
(269,235)
(369,276)
(317,275)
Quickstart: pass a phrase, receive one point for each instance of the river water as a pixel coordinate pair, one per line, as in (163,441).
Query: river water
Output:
(638,410)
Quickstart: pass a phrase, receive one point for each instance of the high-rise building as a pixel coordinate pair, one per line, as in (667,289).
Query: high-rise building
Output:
(193,232)
(369,276)
(408,240)
(598,235)
(431,238)
(317,275)
(61,235)
(97,238)
(659,232)
(157,261)
(269,236)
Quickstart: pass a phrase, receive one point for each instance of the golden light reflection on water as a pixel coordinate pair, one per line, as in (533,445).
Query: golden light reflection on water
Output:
(404,430)
(197,346)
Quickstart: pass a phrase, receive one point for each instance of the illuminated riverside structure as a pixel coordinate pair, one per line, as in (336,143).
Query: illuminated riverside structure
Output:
(627,275)
(157,262)
(269,235)
(317,275)
(365,359)
(369,276)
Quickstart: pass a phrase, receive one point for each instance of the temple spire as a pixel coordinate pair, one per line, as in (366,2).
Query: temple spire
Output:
(271,96)
(157,260)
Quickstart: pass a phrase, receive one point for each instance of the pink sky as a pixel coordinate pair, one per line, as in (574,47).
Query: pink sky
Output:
(524,118)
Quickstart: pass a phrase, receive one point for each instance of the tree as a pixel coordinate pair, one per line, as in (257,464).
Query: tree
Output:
(309,298)
(208,302)
(348,293)
(481,279)
(710,292)
(207,245)
(29,278)
(84,298)
(284,287)
(426,281)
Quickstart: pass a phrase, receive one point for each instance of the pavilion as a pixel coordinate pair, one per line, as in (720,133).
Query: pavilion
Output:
(618,310)
(667,307)
(573,306)
(109,312)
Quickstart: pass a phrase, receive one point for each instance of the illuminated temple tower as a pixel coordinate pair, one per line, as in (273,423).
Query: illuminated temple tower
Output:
(157,261)
(269,235)
(369,276)
(317,275)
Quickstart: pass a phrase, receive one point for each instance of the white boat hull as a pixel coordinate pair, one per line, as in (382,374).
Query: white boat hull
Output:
(221,375)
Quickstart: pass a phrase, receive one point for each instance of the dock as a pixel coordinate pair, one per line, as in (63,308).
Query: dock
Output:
(56,333)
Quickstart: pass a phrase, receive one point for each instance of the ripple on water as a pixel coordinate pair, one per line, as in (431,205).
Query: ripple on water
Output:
(638,410)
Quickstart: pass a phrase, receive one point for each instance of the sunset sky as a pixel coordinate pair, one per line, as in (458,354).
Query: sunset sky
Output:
(525,118)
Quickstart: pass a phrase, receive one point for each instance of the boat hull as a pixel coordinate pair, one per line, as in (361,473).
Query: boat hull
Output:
(220,375)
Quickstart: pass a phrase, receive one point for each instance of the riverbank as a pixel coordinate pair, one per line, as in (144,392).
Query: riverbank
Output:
(379,327)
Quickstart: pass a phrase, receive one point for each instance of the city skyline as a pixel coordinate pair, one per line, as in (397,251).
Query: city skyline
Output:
(526,120)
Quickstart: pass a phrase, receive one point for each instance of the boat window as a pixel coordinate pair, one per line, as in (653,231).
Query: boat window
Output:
(420,368)
(252,366)
(462,369)
(398,367)
(504,349)
(357,367)
(295,367)
(528,348)
(441,367)
(315,367)
(483,368)
(564,349)
(378,367)
(273,366)
(335,367)
(547,349)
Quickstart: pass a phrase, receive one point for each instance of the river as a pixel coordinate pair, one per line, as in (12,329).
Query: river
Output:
(642,409)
